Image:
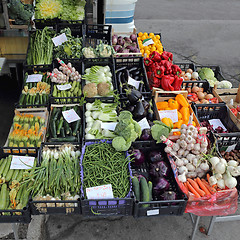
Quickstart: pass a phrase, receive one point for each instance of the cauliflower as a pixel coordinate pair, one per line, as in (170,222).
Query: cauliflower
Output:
(89,52)
(104,50)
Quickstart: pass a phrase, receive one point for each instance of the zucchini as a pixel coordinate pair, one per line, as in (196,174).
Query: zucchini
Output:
(27,100)
(58,112)
(19,193)
(37,99)
(34,99)
(136,187)
(66,139)
(20,176)
(41,99)
(3,197)
(62,133)
(7,167)
(144,196)
(66,127)
(150,188)
(54,110)
(9,175)
(53,128)
(21,100)
(64,108)
(3,165)
(60,125)
(15,174)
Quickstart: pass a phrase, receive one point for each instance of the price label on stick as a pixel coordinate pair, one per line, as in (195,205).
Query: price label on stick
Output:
(172,114)
(217,123)
(70,116)
(133,82)
(59,40)
(147,42)
(231,147)
(34,78)
(144,124)
(109,125)
(22,162)
(64,87)
(100,192)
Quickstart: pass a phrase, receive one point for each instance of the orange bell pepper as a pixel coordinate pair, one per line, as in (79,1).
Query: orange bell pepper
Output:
(173,104)
(178,124)
(182,100)
(162,105)
(185,113)
(179,115)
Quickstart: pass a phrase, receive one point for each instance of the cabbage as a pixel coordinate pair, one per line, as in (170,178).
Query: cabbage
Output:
(224,84)
(206,73)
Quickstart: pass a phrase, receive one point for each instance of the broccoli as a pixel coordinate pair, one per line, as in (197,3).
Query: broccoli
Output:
(159,129)
(120,144)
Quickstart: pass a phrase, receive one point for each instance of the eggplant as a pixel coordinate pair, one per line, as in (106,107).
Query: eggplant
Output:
(169,195)
(133,37)
(126,74)
(133,95)
(127,40)
(120,41)
(119,79)
(161,185)
(139,157)
(130,108)
(159,169)
(117,48)
(139,111)
(132,69)
(135,72)
(146,135)
(155,156)
(146,104)
(114,39)
(121,68)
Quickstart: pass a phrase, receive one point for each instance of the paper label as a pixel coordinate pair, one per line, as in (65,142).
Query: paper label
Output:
(152,212)
(22,162)
(59,40)
(144,124)
(64,87)
(169,114)
(70,116)
(109,125)
(147,42)
(34,78)
(231,147)
(217,123)
(100,192)
(133,82)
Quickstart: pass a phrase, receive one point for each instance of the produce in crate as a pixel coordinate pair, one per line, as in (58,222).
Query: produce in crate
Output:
(102,164)
(40,50)
(98,81)
(232,155)
(64,181)
(219,129)
(14,194)
(125,44)
(162,73)
(72,48)
(149,43)
(96,114)
(189,75)
(35,93)
(62,131)
(102,50)
(27,131)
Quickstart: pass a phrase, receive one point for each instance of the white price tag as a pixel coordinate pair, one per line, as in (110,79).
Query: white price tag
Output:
(169,114)
(152,212)
(34,78)
(59,40)
(217,123)
(230,148)
(64,87)
(109,125)
(100,192)
(147,42)
(144,124)
(133,82)
(22,162)
(70,116)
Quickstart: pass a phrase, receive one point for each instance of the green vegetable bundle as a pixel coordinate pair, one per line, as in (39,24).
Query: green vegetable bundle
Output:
(102,164)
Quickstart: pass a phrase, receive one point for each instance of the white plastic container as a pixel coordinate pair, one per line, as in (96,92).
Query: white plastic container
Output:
(120,14)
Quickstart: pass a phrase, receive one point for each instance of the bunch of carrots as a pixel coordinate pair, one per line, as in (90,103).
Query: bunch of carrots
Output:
(199,187)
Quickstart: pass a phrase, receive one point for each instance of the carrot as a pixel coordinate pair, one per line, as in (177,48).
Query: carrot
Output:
(184,189)
(185,184)
(202,186)
(208,176)
(192,190)
(207,185)
(196,187)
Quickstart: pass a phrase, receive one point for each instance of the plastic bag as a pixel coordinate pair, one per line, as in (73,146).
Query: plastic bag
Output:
(221,203)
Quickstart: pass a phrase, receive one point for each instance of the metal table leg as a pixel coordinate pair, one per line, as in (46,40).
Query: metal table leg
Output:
(195,227)
(15,230)
(210,228)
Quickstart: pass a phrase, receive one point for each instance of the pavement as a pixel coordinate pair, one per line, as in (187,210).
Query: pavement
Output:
(200,31)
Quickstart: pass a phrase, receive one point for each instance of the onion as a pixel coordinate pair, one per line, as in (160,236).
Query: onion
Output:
(209,96)
(133,37)
(200,95)
(162,185)
(195,89)
(189,70)
(169,195)
(159,169)
(139,157)
(195,75)
(187,75)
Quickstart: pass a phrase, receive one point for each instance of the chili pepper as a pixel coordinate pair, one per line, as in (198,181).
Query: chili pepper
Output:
(148,62)
(166,82)
(177,83)
(167,56)
(167,65)
(176,70)
(155,56)
(159,71)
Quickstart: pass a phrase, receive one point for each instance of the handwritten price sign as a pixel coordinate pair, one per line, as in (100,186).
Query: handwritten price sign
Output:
(21,162)
(100,192)
(70,116)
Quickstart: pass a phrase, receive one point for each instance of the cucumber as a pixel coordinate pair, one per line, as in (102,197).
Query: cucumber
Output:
(59,125)
(66,139)
(144,196)
(150,188)
(136,188)
(3,196)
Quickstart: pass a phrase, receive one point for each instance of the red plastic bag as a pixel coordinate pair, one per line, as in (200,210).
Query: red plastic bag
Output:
(221,203)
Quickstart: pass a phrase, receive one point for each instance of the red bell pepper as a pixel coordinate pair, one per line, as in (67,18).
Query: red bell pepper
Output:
(235,111)
(155,56)
(167,56)
(177,83)
(166,82)
(167,65)
(148,62)
(176,70)
(159,71)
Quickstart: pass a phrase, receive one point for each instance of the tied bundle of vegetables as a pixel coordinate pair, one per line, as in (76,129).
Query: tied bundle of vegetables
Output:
(62,131)
(102,164)
(102,50)
(96,114)
(13,194)
(98,81)
(40,47)
(57,177)
(35,93)
(72,48)
(28,131)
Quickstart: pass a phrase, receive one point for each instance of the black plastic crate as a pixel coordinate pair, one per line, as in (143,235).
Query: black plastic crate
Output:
(42,23)
(77,63)
(228,140)
(88,63)
(38,207)
(216,69)
(77,28)
(106,207)
(132,63)
(215,111)
(158,207)
(185,66)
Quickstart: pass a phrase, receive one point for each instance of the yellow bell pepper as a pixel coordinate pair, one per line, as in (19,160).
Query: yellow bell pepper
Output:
(185,113)
(168,108)
(182,100)
(179,115)
(161,105)
(178,124)
(173,104)
(168,122)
